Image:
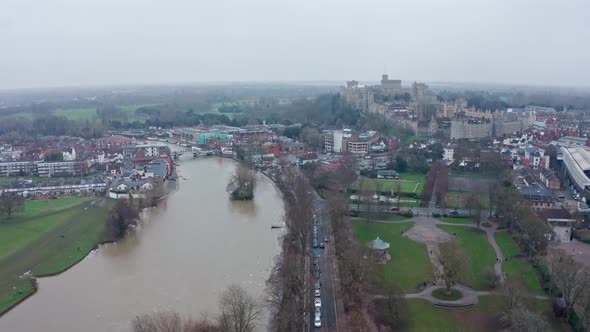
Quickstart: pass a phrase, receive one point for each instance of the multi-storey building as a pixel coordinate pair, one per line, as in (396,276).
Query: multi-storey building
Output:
(470,128)
(60,168)
(16,168)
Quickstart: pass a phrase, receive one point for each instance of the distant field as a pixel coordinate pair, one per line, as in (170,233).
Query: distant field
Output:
(78,114)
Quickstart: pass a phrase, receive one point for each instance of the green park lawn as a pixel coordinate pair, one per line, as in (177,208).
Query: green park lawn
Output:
(458,199)
(47,238)
(456,220)
(484,316)
(507,244)
(441,294)
(518,268)
(477,248)
(409,264)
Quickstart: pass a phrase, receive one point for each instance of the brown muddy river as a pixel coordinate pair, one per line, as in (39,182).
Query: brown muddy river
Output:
(184,254)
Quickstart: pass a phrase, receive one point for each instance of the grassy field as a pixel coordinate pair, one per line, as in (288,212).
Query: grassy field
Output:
(456,220)
(441,294)
(407,183)
(484,316)
(89,113)
(388,185)
(409,264)
(507,244)
(477,248)
(47,238)
(471,174)
(381,216)
(518,268)
(78,114)
(458,199)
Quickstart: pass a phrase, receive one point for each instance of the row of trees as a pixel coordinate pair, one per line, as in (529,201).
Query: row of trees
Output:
(354,268)
(286,284)
(239,312)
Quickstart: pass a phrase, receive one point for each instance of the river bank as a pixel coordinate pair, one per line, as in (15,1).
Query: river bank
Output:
(227,242)
(57,243)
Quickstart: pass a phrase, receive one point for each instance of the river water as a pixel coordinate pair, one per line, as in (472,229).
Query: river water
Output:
(183,255)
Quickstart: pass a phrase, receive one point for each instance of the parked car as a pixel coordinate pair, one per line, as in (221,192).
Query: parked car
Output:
(435,214)
(454,212)
(322,245)
(317,321)
(318,284)
(318,312)
(317,302)
(394,209)
(317,293)
(315,243)
(326,239)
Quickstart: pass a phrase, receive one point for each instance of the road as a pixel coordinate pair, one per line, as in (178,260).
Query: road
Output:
(417,210)
(326,260)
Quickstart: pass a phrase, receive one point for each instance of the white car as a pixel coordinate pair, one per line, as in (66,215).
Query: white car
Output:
(317,322)
(318,302)
(318,312)
(317,293)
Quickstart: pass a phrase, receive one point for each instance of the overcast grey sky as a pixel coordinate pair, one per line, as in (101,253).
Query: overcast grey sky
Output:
(90,42)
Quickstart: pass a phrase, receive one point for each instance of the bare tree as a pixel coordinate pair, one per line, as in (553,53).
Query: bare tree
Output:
(378,189)
(239,311)
(369,203)
(242,183)
(11,203)
(171,321)
(397,307)
(398,192)
(571,277)
(517,317)
(122,217)
(450,264)
(472,202)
